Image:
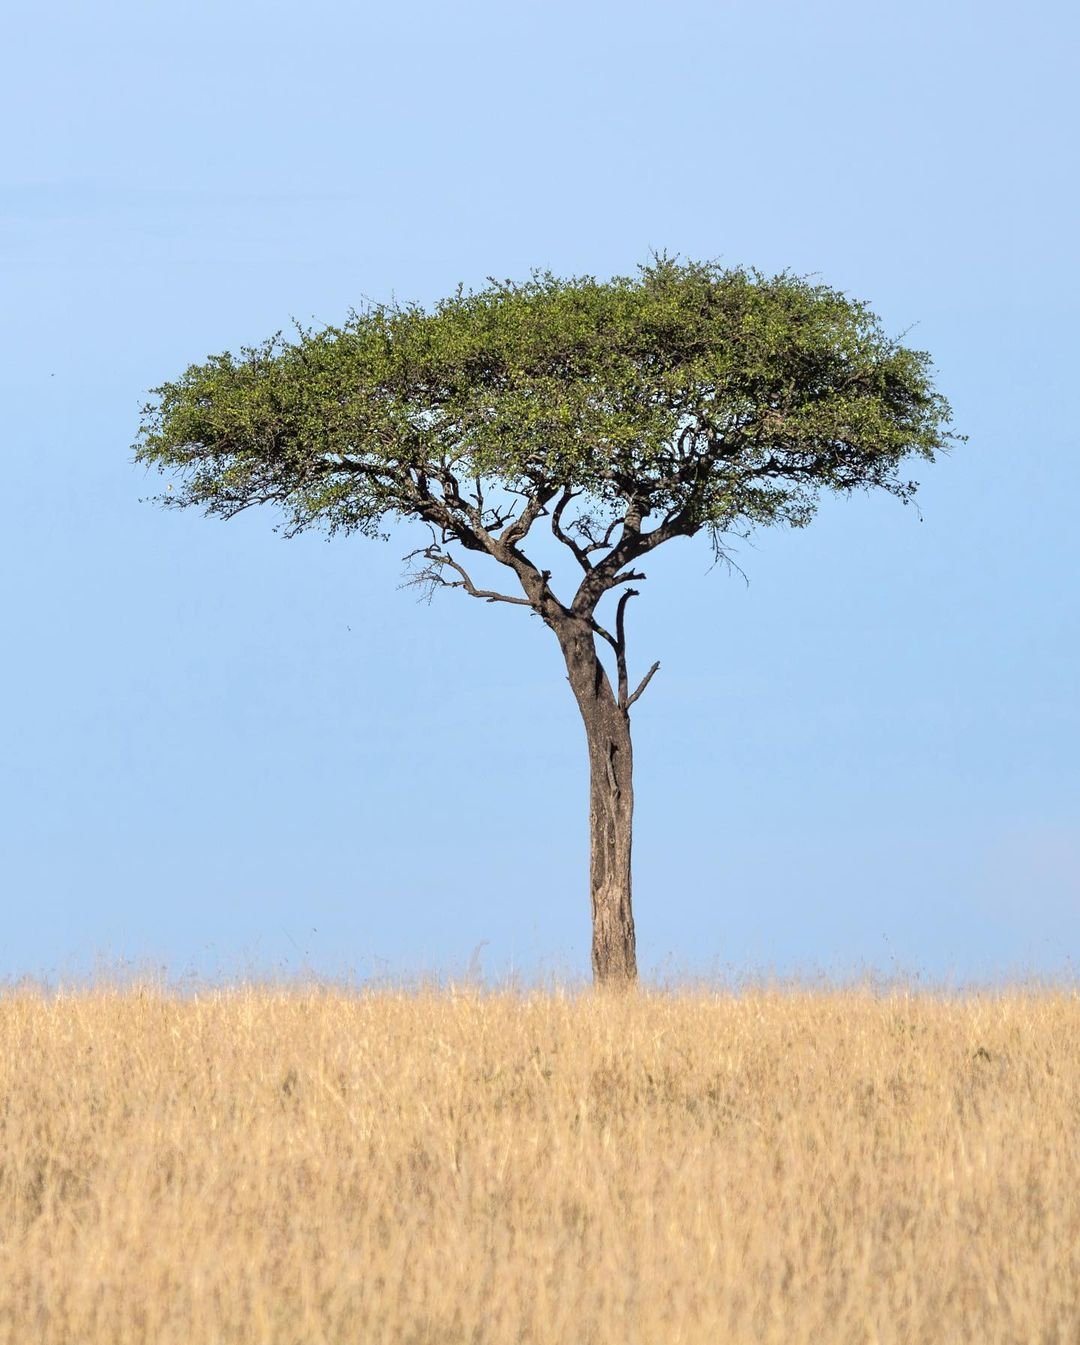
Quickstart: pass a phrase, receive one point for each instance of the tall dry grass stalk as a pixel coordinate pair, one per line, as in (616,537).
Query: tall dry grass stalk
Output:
(314,1166)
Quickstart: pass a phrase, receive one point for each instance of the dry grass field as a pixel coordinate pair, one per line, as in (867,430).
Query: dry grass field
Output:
(266,1165)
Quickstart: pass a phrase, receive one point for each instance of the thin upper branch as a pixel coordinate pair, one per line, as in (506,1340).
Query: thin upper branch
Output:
(580,553)
(432,574)
(644,683)
(597,543)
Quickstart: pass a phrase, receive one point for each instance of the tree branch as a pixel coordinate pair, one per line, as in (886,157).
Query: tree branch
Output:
(632,544)
(464,523)
(644,683)
(597,629)
(620,644)
(601,543)
(518,529)
(432,575)
(580,553)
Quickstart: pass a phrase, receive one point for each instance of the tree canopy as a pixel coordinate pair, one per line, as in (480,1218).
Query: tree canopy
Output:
(690,396)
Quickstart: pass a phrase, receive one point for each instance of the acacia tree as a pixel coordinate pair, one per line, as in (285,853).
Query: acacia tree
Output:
(615,415)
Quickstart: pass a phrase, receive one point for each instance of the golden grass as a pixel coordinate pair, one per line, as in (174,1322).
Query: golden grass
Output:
(303,1166)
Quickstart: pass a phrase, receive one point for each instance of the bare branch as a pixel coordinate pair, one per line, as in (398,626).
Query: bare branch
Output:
(602,543)
(499,518)
(432,575)
(620,643)
(580,553)
(722,555)
(597,629)
(519,528)
(644,683)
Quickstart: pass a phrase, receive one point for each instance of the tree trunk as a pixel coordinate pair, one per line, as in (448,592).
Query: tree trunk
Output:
(611,812)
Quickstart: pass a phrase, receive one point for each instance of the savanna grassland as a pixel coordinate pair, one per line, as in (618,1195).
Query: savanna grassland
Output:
(309,1165)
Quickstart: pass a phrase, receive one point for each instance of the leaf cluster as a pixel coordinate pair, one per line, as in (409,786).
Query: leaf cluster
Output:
(693,395)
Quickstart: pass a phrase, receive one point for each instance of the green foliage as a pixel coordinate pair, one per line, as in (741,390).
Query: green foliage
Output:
(719,399)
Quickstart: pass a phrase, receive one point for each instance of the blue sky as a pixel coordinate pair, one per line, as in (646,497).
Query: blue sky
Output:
(227,754)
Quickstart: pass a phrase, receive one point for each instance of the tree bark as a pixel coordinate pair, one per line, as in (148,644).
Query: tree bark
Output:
(611,810)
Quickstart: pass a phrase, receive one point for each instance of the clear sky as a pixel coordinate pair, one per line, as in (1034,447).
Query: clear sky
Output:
(223,754)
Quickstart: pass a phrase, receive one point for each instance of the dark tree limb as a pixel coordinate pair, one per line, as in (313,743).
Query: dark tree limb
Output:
(597,543)
(580,553)
(536,505)
(432,575)
(633,543)
(642,685)
(625,699)
(620,644)
(597,629)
